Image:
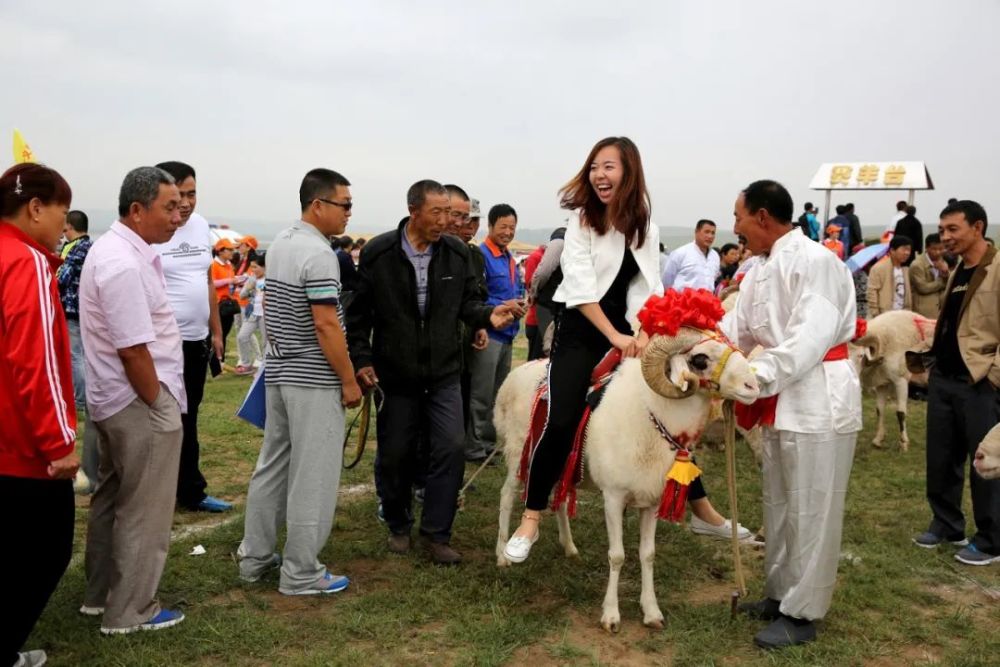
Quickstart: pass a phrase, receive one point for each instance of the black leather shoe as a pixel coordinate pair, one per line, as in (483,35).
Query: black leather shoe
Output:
(766,609)
(399,544)
(785,632)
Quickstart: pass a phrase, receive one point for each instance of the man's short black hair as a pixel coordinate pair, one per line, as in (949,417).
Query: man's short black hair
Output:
(898,241)
(345,242)
(417,194)
(457,191)
(911,210)
(932,239)
(841,209)
(951,200)
(849,208)
(319,183)
(259,258)
(809,206)
(78,221)
(726,247)
(901,205)
(703,223)
(179,170)
(500,211)
(973,212)
(771,196)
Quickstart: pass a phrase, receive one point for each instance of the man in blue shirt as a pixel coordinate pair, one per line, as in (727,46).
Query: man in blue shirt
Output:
(73,254)
(489,367)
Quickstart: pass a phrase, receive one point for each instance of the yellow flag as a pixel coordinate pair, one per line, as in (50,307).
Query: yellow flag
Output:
(22,151)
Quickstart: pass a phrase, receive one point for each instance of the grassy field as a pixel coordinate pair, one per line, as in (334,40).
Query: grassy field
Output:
(895,604)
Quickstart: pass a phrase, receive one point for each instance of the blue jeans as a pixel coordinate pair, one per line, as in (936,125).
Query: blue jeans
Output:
(76,353)
(90,459)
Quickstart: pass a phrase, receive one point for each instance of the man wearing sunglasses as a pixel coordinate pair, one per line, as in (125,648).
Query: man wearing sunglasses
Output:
(310,381)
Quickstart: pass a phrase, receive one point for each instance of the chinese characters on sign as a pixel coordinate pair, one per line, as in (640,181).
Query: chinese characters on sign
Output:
(867,175)
(841,175)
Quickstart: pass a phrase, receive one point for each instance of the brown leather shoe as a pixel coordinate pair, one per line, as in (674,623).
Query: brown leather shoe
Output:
(399,544)
(443,554)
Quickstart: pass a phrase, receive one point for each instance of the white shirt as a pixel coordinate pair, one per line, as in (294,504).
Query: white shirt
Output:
(591,261)
(797,303)
(123,303)
(186,258)
(899,288)
(688,266)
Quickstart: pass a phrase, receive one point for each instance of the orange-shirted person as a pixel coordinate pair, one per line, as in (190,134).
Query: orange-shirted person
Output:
(247,251)
(225,280)
(833,242)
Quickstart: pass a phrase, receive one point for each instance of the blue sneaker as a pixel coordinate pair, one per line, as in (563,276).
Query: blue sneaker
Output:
(167,618)
(330,583)
(970,555)
(929,540)
(214,505)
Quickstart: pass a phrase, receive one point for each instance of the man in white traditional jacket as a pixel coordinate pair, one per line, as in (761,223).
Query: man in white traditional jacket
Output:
(798,304)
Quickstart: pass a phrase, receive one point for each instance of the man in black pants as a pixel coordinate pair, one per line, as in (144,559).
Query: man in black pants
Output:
(963,402)
(186,260)
(414,285)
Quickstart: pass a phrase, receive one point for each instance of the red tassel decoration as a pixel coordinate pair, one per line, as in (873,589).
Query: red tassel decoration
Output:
(672,501)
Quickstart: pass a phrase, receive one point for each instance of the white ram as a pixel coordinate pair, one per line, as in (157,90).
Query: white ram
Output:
(625,455)
(880,358)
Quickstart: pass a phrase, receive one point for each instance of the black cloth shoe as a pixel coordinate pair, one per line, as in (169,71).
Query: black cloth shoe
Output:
(766,609)
(785,631)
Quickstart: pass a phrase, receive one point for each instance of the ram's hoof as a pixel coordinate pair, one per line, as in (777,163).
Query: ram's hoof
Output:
(611,624)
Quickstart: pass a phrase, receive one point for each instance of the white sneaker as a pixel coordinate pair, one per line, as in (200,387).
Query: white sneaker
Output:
(91,611)
(518,548)
(31,659)
(723,532)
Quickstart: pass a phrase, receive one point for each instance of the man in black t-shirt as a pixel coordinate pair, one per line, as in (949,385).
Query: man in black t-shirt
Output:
(963,402)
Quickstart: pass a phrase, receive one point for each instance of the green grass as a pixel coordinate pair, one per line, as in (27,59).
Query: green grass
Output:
(895,604)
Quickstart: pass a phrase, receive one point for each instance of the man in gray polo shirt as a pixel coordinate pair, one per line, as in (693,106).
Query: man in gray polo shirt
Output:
(310,380)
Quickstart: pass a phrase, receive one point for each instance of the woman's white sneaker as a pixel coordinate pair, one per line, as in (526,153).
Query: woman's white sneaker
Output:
(518,548)
(723,532)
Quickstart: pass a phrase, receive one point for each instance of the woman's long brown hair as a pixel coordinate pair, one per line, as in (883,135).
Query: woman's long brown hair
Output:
(628,212)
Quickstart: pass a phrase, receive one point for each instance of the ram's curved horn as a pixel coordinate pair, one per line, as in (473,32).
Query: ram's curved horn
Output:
(873,343)
(656,363)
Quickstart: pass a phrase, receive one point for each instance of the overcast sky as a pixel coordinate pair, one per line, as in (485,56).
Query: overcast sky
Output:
(504,98)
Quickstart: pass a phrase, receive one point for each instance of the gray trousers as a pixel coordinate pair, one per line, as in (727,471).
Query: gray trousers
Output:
(487,370)
(250,349)
(295,483)
(128,535)
(805,485)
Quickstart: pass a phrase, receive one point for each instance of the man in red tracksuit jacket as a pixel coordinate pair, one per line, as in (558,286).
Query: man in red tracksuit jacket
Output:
(38,423)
